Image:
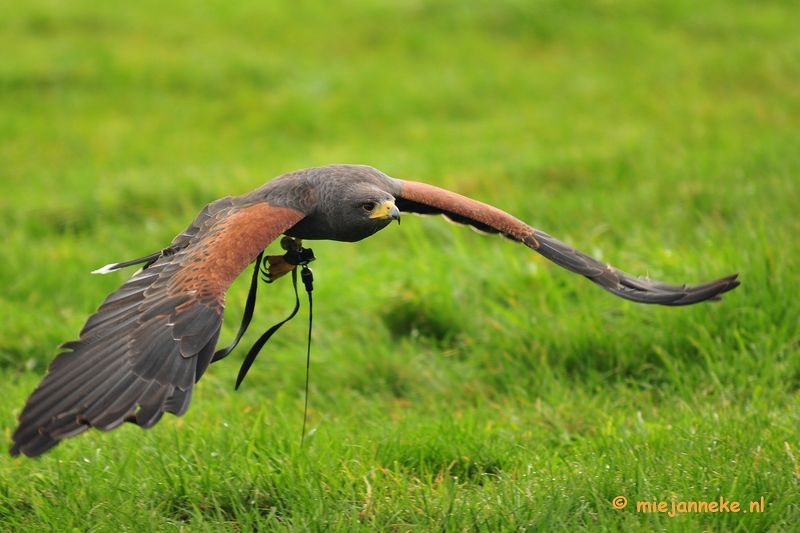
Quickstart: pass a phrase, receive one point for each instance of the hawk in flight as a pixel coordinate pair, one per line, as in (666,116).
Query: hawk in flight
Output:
(141,353)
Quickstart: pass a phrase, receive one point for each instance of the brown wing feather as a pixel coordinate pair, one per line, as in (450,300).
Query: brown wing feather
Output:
(140,354)
(426,199)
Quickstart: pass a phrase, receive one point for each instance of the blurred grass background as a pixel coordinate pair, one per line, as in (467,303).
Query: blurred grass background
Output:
(458,382)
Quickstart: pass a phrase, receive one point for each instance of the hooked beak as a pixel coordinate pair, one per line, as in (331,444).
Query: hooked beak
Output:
(387,210)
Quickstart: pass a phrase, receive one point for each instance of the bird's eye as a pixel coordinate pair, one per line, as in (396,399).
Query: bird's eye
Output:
(368,207)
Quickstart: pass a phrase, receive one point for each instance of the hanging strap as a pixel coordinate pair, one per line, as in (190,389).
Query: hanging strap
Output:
(308,281)
(253,353)
(295,255)
(248,313)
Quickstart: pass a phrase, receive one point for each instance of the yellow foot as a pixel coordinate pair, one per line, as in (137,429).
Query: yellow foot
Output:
(277,267)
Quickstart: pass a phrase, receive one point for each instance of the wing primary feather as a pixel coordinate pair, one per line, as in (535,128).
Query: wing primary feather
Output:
(178,403)
(150,411)
(110,411)
(66,425)
(641,290)
(63,388)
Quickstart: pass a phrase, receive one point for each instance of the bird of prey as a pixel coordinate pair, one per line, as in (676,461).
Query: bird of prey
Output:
(141,353)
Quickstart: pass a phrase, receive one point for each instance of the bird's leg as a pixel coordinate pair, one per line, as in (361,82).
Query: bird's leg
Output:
(279,265)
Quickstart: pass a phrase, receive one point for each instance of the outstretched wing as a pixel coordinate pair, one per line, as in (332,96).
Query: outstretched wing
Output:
(140,354)
(426,199)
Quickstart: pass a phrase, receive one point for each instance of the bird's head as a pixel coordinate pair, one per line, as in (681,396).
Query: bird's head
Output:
(351,202)
(366,210)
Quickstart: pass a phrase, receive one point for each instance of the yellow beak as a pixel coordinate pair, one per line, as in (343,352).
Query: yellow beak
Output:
(386,210)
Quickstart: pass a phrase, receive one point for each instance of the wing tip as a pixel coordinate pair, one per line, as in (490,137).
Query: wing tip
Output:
(707,292)
(33,446)
(732,282)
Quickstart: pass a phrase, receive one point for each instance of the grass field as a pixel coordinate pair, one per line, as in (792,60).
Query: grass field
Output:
(458,382)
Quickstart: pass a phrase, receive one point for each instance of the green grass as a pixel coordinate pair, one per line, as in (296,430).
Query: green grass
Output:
(458,382)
